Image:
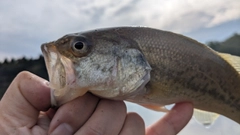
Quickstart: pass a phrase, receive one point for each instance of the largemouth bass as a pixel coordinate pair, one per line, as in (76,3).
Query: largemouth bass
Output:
(145,66)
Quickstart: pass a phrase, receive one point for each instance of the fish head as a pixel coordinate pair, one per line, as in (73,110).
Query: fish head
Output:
(101,62)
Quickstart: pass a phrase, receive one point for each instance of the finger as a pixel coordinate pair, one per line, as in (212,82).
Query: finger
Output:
(43,121)
(108,119)
(26,96)
(133,125)
(72,115)
(173,122)
(50,113)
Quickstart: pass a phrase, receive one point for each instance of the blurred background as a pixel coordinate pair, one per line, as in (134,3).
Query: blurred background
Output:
(26,24)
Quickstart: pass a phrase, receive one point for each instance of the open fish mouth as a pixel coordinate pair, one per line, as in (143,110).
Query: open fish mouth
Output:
(55,68)
(59,70)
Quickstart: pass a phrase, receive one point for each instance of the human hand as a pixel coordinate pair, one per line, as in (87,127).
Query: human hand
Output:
(173,122)
(25,109)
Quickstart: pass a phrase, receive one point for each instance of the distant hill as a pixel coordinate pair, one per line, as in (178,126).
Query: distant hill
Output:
(231,45)
(9,69)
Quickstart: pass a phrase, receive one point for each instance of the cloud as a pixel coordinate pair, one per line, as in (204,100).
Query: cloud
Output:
(184,16)
(226,15)
(27,24)
(8,56)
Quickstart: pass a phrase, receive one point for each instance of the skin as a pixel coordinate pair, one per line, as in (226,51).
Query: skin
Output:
(25,109)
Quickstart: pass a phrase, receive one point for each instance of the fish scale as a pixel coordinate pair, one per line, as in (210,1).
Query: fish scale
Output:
(209,68)
(163,68)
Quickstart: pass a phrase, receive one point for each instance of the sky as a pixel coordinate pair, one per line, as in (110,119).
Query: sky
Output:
(26,24)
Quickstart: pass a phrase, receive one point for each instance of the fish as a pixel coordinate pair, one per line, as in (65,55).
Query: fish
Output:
(143,65)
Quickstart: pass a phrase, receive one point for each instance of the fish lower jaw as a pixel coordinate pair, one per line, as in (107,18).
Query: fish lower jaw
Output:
(53,99)
(66,94)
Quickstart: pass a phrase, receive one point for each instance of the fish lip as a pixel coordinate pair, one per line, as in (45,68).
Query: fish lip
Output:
(55,68)
(46,58)
(52,60)
(61,74)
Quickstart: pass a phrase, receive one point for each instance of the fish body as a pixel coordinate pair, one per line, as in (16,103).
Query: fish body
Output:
(143,65)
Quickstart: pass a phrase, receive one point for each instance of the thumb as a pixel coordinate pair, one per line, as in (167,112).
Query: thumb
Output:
(27,95)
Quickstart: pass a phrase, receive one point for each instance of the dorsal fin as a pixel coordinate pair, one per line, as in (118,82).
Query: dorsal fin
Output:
(233,60)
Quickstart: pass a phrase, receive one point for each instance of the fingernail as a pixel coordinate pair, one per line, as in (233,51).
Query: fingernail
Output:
(63,129)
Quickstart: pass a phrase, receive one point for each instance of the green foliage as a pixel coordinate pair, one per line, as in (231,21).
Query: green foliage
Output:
(9,69)
(214,45)
(231,45)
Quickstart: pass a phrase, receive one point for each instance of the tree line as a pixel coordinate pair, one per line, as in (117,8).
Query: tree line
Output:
(9,70)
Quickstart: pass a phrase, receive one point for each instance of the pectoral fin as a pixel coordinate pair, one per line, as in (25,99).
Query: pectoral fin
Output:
(155,107)
(204,117)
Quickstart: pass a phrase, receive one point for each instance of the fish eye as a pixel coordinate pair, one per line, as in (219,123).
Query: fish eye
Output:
(78,45)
